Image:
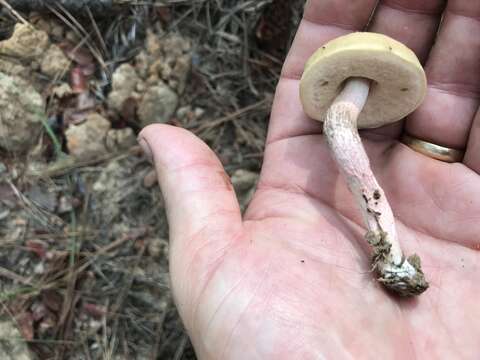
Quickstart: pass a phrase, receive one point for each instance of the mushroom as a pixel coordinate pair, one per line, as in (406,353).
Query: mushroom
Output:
(367,80)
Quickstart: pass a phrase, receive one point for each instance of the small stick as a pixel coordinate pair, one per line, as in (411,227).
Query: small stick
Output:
(14,12)
(98,7)
(13,276)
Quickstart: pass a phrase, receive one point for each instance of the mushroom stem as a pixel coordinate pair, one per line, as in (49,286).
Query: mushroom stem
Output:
(340,129)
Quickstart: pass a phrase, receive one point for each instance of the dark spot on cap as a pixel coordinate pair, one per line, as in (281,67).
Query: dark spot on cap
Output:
(324,83)
(302,261)
(376,194)
(404,89)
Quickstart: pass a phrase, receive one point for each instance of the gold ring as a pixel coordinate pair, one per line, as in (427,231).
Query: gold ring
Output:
(433,151)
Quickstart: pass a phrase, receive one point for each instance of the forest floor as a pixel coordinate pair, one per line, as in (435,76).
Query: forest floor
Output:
(83,258)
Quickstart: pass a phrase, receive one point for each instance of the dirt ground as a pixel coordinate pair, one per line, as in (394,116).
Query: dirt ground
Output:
(83,259)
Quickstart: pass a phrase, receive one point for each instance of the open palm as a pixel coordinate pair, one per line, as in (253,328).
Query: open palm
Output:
(292,280)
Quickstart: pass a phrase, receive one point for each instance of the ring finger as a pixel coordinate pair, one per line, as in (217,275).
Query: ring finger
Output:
(413,23)
(446,115)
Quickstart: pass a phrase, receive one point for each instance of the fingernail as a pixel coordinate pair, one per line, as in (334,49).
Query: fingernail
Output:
(146,149)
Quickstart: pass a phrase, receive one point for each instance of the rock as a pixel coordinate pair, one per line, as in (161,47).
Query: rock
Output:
(152,43)
(120,139)
(34,65)
(140,88)
(62,90)
(150,180)
(158,248)
(177,54)
(65,204)
(87,140)
(39,268)
(124,83)
(244,183)
(21,115)
(199,112)
(162,68)
(180,72)
(184,112)
(152,80)
(110,179)
(169,57)
(12,345)
(125,78)
(57,30)
(42,24)
(142,61)
(72,36)
(29,50)
(118,191)
(244,180)
(174,45)
(160,73)
(54,62)
(26,42)
(4,213)
(44,196)
(13,68)
(157,105)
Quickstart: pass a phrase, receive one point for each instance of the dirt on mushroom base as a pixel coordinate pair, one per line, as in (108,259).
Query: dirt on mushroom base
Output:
(81,225)
(402,286)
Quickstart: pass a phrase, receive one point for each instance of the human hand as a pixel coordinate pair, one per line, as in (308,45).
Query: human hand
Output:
(292,278)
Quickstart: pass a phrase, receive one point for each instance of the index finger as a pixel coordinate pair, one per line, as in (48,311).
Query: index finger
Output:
(322,21)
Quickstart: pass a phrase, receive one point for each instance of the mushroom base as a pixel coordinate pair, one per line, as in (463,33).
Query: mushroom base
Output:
(405,279)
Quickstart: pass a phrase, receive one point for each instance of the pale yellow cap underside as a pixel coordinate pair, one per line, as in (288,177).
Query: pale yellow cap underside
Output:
(398,87)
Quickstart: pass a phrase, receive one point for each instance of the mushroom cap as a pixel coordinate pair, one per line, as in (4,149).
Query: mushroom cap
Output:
(398,80)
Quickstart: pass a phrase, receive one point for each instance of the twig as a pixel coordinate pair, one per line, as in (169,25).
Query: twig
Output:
(229,117)
(83,265)
(97,32)
(159,333)
(123,295)
(79,31)
(69,164)
(57,146)
(100,7)
(181,347)
(47,219)
(246,55)
(13,276)
(14,12)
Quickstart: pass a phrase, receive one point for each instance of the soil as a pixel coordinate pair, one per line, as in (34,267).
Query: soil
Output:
(404,286)
(84,260)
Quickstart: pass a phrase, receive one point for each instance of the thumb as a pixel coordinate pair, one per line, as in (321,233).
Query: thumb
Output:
(202,210)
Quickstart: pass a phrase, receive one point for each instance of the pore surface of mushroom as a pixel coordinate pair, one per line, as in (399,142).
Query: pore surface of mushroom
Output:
(367,80)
